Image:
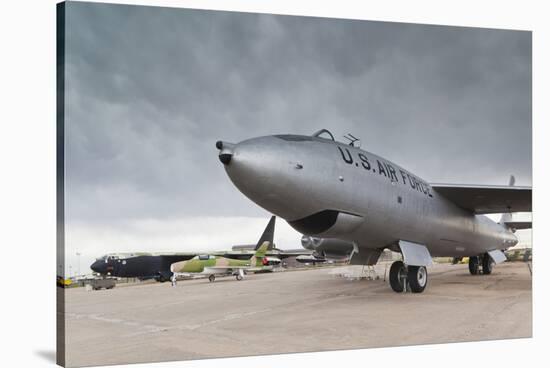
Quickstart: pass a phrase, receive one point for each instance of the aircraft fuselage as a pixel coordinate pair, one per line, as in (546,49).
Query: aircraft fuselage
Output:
(141,266)
(329,189)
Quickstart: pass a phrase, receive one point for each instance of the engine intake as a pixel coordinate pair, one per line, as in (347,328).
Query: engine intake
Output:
(328,223)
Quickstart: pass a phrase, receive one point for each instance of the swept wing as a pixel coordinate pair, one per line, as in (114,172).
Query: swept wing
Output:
(484,199)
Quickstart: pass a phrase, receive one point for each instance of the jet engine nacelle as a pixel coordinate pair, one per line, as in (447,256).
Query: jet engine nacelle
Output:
(327,247)
(327,224)
(271,261)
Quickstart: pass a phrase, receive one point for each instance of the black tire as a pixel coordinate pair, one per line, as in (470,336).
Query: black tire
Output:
(162,278)
(487,264)
(211,278)
(238,277)
(418,278)
(473,265)
(397,281)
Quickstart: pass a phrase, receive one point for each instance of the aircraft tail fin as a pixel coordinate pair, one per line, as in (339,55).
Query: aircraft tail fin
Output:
(267,234)
(257,258)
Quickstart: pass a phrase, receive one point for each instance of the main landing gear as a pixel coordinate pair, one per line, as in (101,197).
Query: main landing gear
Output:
(486,263)
(403,277)
(239,274)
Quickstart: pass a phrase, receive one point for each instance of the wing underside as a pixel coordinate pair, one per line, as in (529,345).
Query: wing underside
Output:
(485,199)
(518,225)
(229,269)
(282,254)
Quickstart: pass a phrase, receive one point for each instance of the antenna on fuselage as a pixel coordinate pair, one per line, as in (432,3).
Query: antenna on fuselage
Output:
(353,140)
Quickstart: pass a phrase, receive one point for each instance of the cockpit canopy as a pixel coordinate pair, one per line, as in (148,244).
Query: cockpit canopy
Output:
(108,257)
(321,132)
(321,135)
(205,257)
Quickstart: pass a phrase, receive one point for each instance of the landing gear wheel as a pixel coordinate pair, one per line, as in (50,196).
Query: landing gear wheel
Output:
(238,277)
(398,276)
(487,264)
(473,265)
(211,278)
(418,278)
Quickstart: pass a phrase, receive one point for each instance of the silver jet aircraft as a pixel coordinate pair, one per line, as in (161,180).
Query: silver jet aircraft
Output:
(325,188)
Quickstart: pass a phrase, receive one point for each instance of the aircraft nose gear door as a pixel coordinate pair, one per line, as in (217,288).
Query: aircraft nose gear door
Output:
(486,261)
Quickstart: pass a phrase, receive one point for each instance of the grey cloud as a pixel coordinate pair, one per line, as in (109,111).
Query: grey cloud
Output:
(149,90)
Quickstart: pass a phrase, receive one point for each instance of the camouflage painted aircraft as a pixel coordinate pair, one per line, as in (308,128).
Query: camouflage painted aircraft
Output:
(216,265)
(273,255)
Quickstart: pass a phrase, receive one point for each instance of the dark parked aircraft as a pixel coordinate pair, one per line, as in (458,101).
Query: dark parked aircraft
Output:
(140,265)
(157,265)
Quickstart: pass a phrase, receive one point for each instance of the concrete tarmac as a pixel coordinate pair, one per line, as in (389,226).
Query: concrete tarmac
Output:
(286,312)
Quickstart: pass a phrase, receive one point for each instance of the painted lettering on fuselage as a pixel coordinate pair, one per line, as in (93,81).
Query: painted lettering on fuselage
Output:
(385,169)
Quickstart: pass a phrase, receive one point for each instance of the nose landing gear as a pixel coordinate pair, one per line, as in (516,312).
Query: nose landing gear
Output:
(239,275)
(486,263)
(403,277)
(473,265)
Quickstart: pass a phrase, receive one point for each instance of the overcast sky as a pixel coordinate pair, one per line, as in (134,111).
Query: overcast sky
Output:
(150,90)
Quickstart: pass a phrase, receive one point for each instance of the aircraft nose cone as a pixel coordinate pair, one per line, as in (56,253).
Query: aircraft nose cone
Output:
(267,171)
(226,152)
(98,266)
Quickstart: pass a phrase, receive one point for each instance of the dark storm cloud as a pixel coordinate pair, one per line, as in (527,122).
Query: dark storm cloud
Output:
(149,90)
